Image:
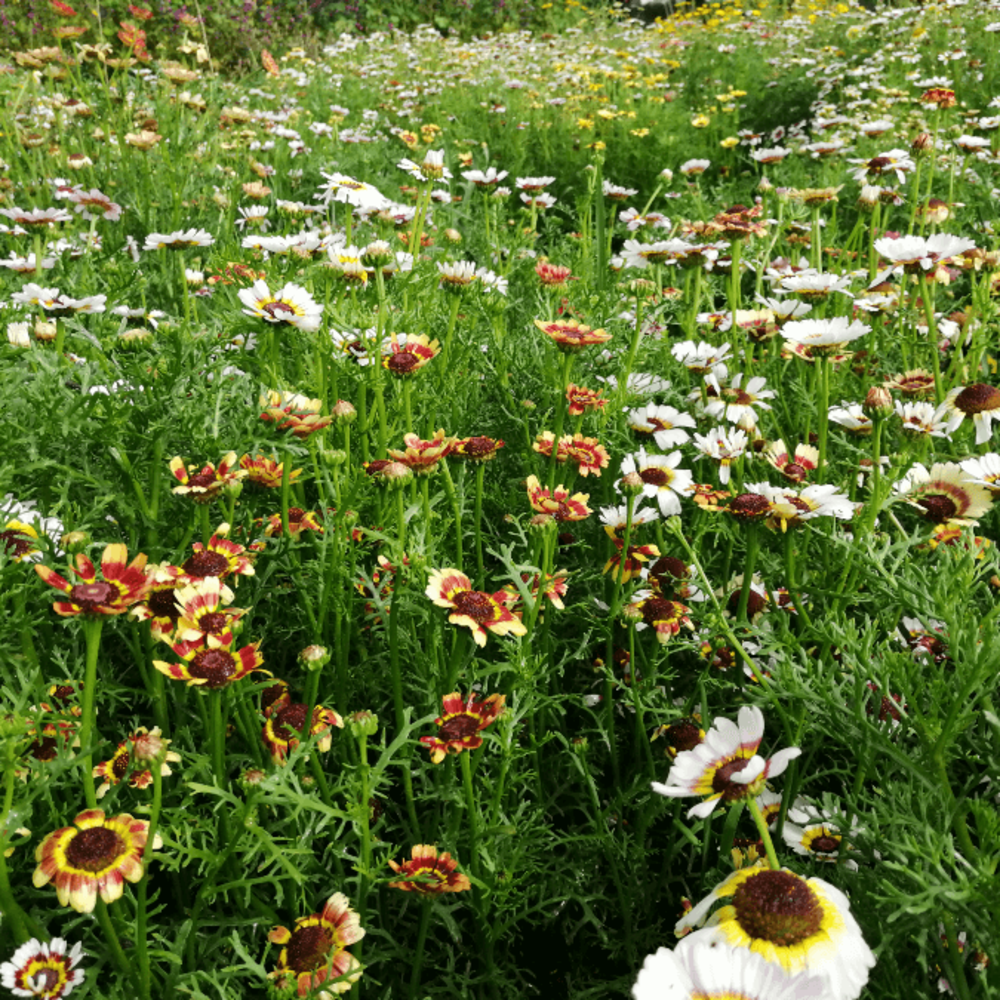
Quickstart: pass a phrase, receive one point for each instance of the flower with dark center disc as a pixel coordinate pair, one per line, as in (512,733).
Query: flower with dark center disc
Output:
(802,926)
(726,766)
(978,401)
(684,734)
(97,856)
(475,609)
(212,666)
(43,969)
(429,873)
(461,722)
(314,960)
(123,584)
(283,729)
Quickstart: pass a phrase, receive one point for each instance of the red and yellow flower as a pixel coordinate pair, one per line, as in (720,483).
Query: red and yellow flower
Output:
(160,606)
(665,617)
(213,666)
(557,502)
(475,609)
(588,453)
(266,472)
(552,585)
(461,722)
(203,614)
(411,355)
(113,771)
(205,484)
(221,558)
(423,456)
(95,857)
(477,449)
(123,584)
(283,729)
(291,411)
(429,873)
(314,960)
(571,335)
(629,566)
(299,520)
(580,400)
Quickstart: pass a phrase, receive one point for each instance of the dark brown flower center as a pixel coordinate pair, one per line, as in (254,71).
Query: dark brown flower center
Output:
(163,604)
(403,362)
(44,981)
(94,849)
(309,948)
(978,398)
(207,563)
(119,764)
(755,603)
(684,735)
(879,163)
(826,844)
(778,907)
(17,543)
(44,749)
(670,566)
(722,780)
(289,722)
(203,479)
(658,609)
(476,605)
(90,596)
(795,472)
(458,727)
(214,622)
(655,476)
(479,447)
(748,506)
(938,507)
(277,309)
(215,666)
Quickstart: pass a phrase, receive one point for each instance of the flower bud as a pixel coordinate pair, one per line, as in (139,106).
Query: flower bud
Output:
(878,402)
(868,198)
(632,484)
(74,541)
(314,658)
(334,456)
(344,412)
(45,331)
(363,723)
(924,143)
(453,236)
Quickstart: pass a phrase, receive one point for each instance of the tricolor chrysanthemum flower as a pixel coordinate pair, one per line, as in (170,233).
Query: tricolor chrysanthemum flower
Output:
(266,472)
(665,617)
(725,767)
(581,399)
(348,191)
(94,857)
(206,483)
(213,665)
(723,445)
(423,456)
(571,335)
(662,480)
(291,411)
(123,584)
(283,729)
(290,304)
(43,969)
(979,401)
(159,608)
(795,467)
(407,353)
(475,609)
(314,960)
(557,502)
(734,402)
(945,494)
(221,558)
(704,970)
(919,254)
(461,722)
(429,873)
(791,508)
(477,448)
(666,424)
(179,240)
(702,357)
(135,747)
(800,926)
(203,609)
(826,336)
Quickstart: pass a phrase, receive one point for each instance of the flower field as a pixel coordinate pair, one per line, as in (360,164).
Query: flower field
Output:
(504,515)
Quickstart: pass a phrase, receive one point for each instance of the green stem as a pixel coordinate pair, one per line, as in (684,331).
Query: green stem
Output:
(286,473)
(749,564)
(823,372)
(562,404)
(471,811)
(426,905)
(456,509)
(762,829)
(114,945)
(92,633)
(932,335)
(142,943)
(477,525)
